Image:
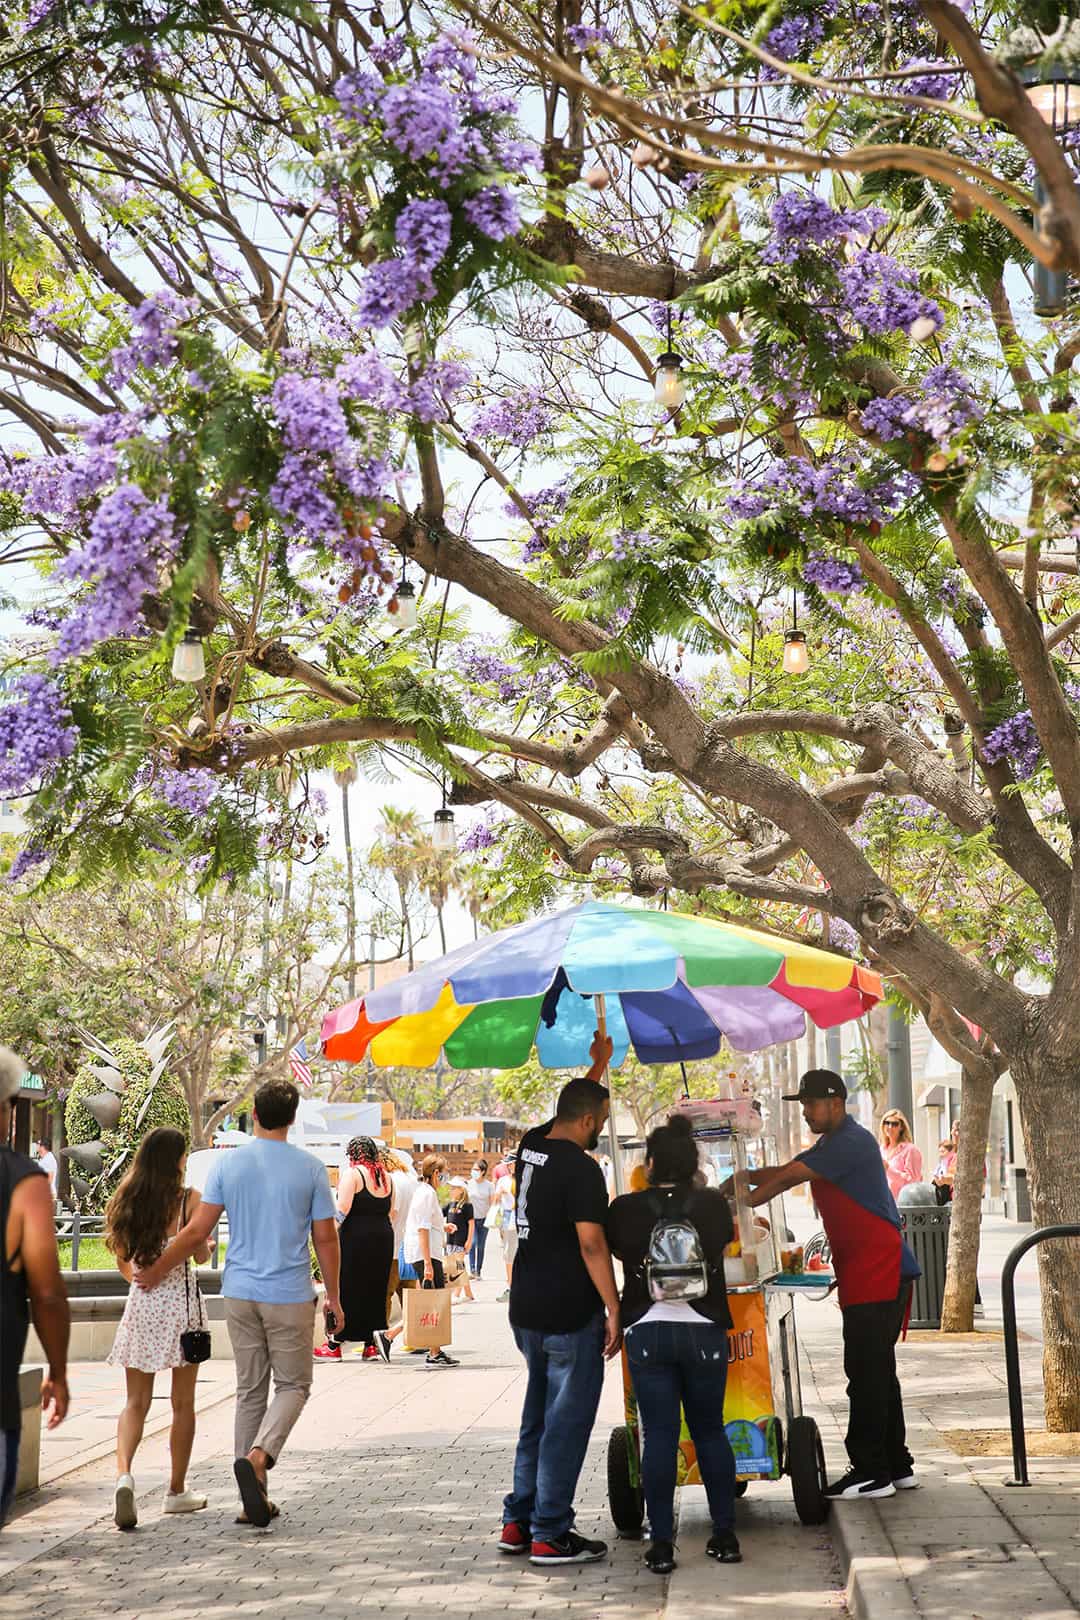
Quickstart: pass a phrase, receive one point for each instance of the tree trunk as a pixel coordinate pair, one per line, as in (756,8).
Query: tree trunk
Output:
(1049,1096)
(958,1308)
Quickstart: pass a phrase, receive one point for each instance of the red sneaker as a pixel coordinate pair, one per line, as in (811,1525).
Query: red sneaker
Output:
(515,1538)
(327,1352)
(370,1353)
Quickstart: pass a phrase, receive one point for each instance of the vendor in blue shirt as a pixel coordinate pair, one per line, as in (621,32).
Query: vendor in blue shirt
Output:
(874,1273)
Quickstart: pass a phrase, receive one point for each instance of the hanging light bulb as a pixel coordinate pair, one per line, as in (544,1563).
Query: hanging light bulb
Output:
(406,605)
(444,835)
(796,657)
(188,661)
(668,387)
(669,390)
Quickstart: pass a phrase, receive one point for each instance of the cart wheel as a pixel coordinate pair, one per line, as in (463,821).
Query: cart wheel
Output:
(741,1487)
(624,1498)
(806,1465)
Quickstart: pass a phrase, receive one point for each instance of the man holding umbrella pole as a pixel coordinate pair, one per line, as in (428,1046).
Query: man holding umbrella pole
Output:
(564,1310)
(874,1273)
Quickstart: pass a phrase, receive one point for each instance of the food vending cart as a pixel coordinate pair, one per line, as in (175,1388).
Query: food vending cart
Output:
(769,1432)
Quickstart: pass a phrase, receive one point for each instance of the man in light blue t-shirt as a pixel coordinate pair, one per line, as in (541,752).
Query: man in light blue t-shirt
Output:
(277,1197)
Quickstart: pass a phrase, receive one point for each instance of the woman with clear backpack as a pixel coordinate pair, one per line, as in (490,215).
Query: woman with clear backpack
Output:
(677,1347)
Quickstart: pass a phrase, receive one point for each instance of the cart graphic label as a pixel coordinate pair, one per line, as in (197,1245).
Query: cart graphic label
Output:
(748,1401)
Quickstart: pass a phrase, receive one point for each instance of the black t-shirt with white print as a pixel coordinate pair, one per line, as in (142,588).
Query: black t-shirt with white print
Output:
(558,1184)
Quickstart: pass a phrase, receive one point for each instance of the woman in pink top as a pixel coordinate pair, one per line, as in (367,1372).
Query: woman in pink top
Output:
(902,1159)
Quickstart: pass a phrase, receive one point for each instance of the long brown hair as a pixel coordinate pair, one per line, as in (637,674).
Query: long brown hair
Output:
(141,1210)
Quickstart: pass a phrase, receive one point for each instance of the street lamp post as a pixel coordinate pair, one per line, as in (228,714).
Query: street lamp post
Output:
(1054,92)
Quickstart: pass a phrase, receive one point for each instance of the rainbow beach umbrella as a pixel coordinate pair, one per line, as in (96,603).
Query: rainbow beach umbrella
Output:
(671,986)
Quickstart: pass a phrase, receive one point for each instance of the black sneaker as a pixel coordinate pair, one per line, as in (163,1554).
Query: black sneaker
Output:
(854,1486)
(724,1546)
(905,1480)
(660,1557)
(568,1549)
(383,1345)
(441,1360)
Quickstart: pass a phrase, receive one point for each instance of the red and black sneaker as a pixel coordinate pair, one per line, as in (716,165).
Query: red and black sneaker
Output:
(327,1352)
(515,1538)
(568,1549)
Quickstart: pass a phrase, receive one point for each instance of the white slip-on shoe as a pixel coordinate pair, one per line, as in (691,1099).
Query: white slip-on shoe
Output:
(182,1502)
(124,1503)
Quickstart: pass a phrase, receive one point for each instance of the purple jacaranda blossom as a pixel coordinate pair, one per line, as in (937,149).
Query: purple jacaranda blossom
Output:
(299,496)
(309,413)
(387,51)
(390,289)
(31,855)
(519,420)
(832,574)
(130,543)
(830,488)
(192,791)
(793,39)
(580,36)
(153,340)
(938,80)
(801,220)
(1016,741)
(485,668)
(494,212)
(422,230)
(883,295)
(36,733)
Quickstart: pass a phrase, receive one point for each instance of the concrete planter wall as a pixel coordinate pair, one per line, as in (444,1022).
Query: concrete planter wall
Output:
(95,1315)
(28,1474)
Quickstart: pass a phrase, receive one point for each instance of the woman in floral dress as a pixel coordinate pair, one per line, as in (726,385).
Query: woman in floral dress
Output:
(148,1207)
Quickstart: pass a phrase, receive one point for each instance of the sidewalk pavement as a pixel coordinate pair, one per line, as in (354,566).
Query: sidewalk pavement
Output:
(392,1484)
(963,1546)
(391,1494)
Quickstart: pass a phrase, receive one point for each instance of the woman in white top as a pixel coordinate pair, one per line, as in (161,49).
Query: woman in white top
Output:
(150,1205)
(425,1241)
(481,1190)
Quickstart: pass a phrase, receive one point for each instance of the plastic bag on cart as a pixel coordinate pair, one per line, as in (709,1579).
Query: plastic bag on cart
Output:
(675,1265)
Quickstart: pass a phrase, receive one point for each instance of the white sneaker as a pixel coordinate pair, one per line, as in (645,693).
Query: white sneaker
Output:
(124,1503)
(182,1502)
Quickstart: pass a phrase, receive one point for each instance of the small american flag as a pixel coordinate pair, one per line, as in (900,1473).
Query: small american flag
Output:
(298,1064)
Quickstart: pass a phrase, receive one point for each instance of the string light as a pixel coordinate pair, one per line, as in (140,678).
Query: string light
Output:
(188,659)
(796,655)
(669,390)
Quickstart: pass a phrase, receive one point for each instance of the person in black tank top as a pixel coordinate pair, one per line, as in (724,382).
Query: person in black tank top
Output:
(30,1284)
(365,1200)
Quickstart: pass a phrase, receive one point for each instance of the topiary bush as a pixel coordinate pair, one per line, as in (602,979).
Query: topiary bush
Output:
(168,1107)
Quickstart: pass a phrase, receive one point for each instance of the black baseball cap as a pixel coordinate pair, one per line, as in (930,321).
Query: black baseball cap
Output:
(818,1083)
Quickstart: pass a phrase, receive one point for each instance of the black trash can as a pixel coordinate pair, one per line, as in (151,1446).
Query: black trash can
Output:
(927,1233)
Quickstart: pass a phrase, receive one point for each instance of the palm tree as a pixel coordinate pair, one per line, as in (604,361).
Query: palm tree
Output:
(399,850)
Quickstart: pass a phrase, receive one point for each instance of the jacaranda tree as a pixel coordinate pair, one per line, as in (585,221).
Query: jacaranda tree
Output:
(296,300)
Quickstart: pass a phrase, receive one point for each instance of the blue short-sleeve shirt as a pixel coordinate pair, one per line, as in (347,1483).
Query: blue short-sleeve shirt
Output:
(272,1192)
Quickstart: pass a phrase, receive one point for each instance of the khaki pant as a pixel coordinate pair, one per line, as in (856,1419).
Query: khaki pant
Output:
(269,1339)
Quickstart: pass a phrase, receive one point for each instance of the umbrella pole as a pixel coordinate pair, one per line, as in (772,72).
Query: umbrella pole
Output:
(613,1136)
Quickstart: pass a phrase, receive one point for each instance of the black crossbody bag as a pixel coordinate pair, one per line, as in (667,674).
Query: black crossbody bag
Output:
(194,1341)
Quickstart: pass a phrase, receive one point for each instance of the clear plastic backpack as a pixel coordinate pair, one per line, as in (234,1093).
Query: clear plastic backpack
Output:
(675,1265)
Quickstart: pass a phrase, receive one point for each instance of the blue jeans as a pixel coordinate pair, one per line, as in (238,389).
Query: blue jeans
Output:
(476,1253)
(9,1466)
(673,1364)
(566,1373)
